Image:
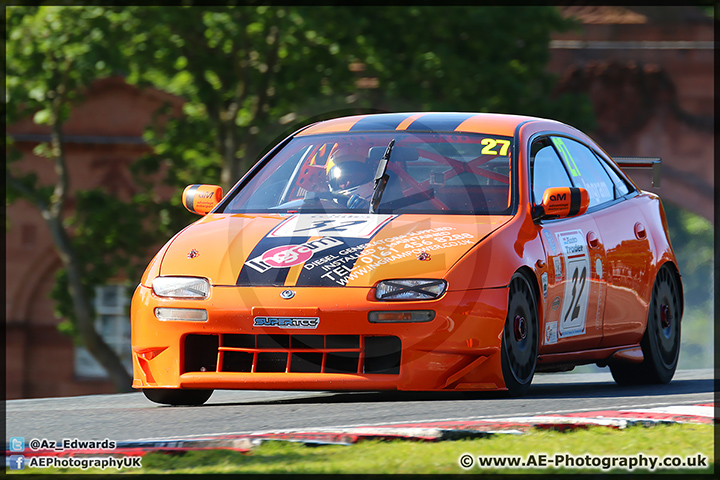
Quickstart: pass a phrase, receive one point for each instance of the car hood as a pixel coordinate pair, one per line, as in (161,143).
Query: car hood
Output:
(330,250)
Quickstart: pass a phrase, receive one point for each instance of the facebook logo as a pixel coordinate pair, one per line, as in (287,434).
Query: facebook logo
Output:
(17,462)
(17,444)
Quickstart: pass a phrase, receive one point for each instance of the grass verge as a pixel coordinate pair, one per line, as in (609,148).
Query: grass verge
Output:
(685,442)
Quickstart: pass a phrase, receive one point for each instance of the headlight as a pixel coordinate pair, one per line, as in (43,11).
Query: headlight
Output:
(410,289)
(181,287)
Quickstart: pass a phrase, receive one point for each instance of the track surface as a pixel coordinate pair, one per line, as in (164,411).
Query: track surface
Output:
(131,417)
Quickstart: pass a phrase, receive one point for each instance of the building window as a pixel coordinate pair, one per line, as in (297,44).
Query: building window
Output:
(113,325)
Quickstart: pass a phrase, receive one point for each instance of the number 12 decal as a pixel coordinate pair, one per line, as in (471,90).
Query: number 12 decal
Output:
(575,301)
(576,295)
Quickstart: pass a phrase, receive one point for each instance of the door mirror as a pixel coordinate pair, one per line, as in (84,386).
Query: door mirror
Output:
(561,202)
(201,199)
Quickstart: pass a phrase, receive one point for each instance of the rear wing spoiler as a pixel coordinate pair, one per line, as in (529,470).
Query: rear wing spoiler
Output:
(642,162)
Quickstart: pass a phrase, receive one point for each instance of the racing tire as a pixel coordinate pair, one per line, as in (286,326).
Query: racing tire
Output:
(661,342)
(177,397)
(519,346)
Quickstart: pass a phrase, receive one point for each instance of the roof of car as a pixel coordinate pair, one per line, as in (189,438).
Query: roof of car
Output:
(487,123)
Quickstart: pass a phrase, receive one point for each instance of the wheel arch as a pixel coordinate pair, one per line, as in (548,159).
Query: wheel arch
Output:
(533,281)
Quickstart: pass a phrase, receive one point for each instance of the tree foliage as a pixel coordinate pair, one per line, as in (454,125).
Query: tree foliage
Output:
(52,54)
(487,59)
(241,69)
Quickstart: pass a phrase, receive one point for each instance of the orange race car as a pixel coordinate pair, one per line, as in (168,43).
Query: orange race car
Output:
(412,251)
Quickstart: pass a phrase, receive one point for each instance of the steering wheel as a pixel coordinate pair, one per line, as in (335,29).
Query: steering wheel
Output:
(353,201)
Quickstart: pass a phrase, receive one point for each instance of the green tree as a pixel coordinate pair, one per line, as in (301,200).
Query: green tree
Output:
(485,59)
(53,53)
(244,71)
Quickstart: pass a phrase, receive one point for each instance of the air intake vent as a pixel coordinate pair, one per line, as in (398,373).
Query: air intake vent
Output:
(246,353)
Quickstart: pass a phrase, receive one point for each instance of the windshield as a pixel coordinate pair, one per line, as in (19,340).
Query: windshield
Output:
(427,173)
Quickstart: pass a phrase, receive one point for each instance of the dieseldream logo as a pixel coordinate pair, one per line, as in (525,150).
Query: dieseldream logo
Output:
(287,322)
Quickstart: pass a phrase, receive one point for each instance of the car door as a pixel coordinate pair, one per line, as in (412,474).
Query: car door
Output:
(629,255)
(574,290)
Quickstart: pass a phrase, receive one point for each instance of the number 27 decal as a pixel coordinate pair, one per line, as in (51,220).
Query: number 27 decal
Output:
(492,143)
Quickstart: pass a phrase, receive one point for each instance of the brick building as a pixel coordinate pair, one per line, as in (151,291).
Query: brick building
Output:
(648,71)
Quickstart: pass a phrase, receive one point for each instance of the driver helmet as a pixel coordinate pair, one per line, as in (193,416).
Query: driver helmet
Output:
(347,168)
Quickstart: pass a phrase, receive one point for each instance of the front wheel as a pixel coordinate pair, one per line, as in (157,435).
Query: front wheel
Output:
(519,348)
(176,396)
(661,342)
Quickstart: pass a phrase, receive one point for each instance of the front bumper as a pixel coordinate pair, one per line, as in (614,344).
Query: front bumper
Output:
(458,350)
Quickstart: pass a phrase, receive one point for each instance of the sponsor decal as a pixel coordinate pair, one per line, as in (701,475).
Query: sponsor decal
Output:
(558,269)
(597,190)
(320,225)
(404,247)
(602,286)
(551,241)
(577,288)
(556,303)
(551,333)
(289,245)
(287,322)
(544,284)
(286,256)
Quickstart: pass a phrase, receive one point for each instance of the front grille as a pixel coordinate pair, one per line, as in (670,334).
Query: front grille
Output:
(250,353)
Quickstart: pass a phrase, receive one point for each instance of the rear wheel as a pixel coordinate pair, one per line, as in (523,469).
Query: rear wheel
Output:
(661,341)
(176,396)
(519,348)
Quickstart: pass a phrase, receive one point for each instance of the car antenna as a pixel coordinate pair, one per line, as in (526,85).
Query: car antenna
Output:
(381,178)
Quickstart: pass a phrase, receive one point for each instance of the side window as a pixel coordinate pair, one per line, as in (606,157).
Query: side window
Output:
(547,169)
(621,187)
(585,170)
